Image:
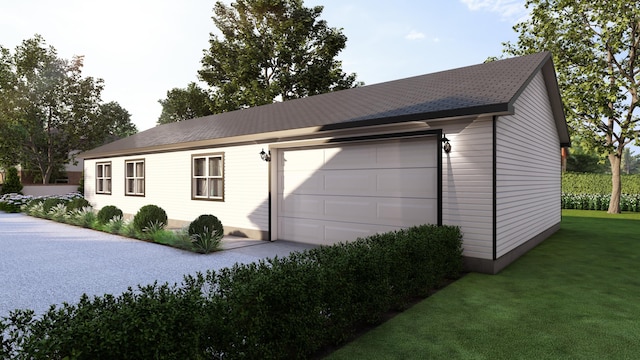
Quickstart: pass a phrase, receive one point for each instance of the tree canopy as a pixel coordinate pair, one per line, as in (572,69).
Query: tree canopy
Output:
(596,51)
(267,50)
(185,104)
(48,109)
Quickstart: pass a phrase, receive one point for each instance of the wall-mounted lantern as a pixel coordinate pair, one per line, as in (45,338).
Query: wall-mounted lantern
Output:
(446,145)
(266,156)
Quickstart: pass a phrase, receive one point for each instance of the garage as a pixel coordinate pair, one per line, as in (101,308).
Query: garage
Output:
(328,194)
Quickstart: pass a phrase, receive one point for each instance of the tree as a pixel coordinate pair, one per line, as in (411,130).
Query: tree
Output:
(114,123)
(596,48)
(271,50)
(630,162)
(48,110)
(185,104)
(12,183)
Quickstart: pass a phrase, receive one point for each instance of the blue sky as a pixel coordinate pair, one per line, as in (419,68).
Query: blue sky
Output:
(142,48)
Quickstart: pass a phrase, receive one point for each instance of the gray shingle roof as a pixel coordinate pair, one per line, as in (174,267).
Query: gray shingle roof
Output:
(488,88)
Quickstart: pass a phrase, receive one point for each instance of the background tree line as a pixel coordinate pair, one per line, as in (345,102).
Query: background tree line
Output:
(267,51)
(49,111)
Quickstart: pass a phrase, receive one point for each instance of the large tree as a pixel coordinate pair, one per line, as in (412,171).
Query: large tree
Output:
(48,110)
(596,51)
(185,104)
(271,50)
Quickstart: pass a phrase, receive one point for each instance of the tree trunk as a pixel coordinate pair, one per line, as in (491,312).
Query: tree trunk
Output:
(616,184)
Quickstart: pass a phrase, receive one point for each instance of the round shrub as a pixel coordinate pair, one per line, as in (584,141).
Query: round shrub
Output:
(50,203)
(77,203)
(148,216)
(107,213)
(206,224)
(206,232)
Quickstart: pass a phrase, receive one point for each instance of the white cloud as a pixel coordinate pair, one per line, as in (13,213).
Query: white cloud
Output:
(414,35)
(509,10)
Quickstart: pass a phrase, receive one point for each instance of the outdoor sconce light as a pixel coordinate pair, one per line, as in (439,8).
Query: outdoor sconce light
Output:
(265,156)
(446,146)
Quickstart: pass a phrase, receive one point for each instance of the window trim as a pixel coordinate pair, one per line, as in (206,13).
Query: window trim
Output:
(222,176)
(109,178)
(135,177)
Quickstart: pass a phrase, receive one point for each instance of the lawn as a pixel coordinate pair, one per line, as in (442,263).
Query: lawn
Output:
(575,296)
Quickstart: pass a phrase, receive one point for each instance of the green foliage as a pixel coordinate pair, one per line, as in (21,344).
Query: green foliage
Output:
(12,184)
(575,183)
(593,192)
(107,213)
(595,51)
(14,203)
(280,308)
(271,50)
(52,202)
(206,232)
(77,203)
(599,202)
(149,215)
(185,104)
(39,92)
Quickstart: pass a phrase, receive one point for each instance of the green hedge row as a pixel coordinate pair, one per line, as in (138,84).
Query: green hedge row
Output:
(280,308)
(577,183)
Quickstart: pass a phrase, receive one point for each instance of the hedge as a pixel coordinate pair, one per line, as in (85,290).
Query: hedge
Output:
(279,308)
(593,192)
(577,183)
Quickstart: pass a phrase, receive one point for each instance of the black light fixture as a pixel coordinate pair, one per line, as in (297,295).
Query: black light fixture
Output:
(446,146)
(266,156)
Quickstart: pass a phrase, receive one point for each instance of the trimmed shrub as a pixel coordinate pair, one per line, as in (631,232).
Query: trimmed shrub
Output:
(150,216)
(107,213)
(52,202)
(12,183)
(576,183)
(280,308)
(77,203)
(206,232)
(206,223)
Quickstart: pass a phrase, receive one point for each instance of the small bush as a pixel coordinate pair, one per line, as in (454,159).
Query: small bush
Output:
(206,232)
(13,202)
(150,215)
(77,203)
(12,183)
(107,213)
(52,202)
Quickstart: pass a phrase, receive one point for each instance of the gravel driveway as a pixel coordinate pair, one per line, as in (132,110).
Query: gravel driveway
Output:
(43,262)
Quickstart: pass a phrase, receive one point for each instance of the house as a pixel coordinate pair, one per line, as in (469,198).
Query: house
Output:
(477,147)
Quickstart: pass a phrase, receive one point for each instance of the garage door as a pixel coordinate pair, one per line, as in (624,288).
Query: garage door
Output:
(339,193)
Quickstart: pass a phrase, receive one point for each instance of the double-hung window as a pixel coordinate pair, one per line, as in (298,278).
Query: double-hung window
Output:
(103,178)
(208,177)
(134,177)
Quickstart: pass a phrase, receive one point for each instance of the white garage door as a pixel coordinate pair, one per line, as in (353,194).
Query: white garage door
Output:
(339,193)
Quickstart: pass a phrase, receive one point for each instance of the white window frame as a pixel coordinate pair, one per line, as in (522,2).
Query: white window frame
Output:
(206,179)
(103,178)
(137,179)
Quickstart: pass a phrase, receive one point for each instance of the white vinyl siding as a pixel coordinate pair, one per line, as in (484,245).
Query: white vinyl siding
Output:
(103,178)
(528,169)
(167,184)
(134,177)
(467,184)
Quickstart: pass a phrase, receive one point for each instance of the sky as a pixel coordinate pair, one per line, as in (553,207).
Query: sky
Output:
(143,48)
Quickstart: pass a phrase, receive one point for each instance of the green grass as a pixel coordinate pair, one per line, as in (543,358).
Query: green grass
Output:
(575,296)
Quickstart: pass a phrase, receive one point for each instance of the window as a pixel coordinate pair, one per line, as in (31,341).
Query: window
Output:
(208,177)
(134,177)
(103,178)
